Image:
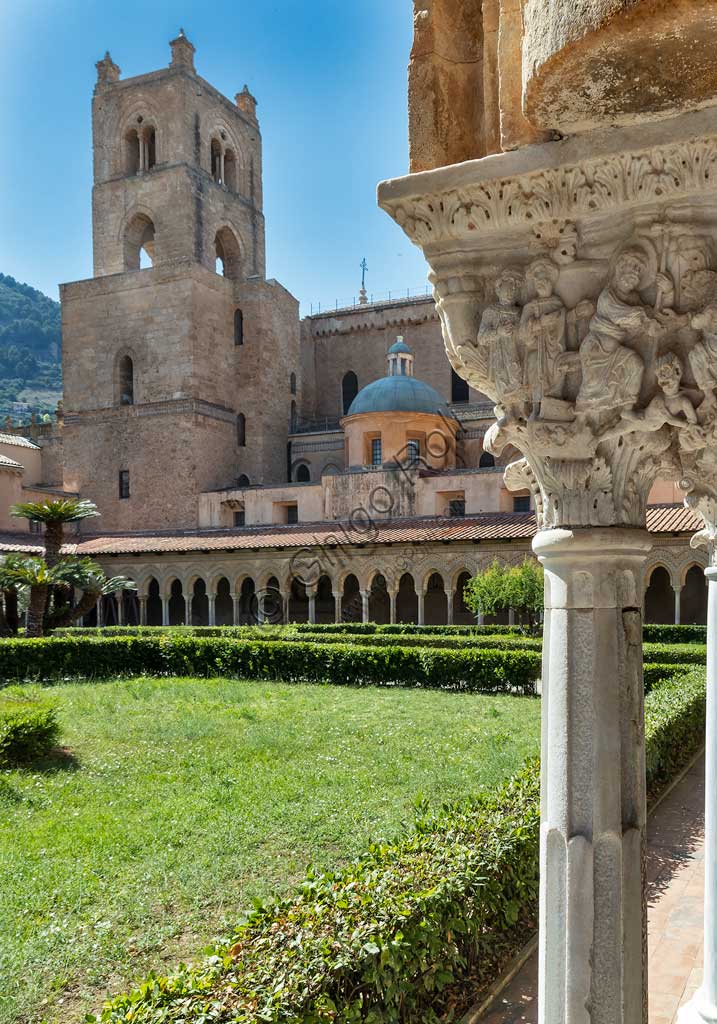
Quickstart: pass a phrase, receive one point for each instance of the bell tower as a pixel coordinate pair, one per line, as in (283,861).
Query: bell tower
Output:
(173,352)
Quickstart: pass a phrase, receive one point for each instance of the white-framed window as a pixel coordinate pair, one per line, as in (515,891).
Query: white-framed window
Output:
(376,452)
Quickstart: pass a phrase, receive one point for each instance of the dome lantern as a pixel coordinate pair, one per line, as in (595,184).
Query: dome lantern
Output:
(400,359)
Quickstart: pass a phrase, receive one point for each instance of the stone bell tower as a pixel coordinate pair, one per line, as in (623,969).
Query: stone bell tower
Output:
(174,353)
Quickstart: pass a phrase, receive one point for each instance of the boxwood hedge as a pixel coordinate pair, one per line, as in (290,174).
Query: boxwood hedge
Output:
(28,725)
(409,931)
(56,658)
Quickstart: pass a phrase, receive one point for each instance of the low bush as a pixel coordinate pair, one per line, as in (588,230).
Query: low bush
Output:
(411,930)
(477,670)
(655,672)
(350,628)
(675,654)
(28,725)
(674,634)
(675,720)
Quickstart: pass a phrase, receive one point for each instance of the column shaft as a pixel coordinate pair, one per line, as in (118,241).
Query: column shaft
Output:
(421,606)
(364,605)
(143,611)
(592,966)
(678,595)
(312,606)
(165,611)
(211,612)
(393,596)
(449,607)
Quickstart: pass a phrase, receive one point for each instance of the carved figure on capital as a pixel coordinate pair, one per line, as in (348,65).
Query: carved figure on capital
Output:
(543,325)
(498,350)
(612,371)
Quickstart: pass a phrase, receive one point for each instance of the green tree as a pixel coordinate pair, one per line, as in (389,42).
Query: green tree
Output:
(55,515)
(499,589)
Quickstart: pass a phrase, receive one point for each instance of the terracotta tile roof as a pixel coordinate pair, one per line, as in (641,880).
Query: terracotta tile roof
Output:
(18,440)
(419,530)
(8,463)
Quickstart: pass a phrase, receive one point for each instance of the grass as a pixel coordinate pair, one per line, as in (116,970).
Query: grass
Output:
(175,802)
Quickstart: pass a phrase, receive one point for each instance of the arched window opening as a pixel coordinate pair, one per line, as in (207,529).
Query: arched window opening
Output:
(693,600)
(241,430)
(131,152)
(230,170)
(435,609)
(351,601)
(407,600)
(217,161)
(487,461)
(243,481)
(238,327)
(199,614)
(462,614)
(379,603)
(223,604)
(292,383)
(349,390)
(139,248)
(459,388)
(150,148)
(303,474)
(228,255)
(126,381)
(177,605)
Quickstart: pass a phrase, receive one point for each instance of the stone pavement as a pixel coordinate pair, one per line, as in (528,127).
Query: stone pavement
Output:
(675,899)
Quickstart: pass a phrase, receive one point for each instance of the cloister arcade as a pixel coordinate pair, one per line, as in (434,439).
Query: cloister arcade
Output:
(393,584)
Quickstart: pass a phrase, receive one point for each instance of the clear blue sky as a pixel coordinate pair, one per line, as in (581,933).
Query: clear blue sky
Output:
(330,78)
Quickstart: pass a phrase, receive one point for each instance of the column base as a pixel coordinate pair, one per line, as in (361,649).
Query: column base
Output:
(698,1011)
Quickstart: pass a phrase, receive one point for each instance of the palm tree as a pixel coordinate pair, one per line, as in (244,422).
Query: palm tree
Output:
(9,615)
(54,514)
(38,577)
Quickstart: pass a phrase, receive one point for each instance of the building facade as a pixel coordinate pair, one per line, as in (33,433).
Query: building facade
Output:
(250,465)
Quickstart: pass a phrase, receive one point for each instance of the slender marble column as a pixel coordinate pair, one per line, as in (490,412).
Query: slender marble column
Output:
(211,613)
(311,594)
(188,610)
(364,605)
(449,607)
(143,611)
(702,1009)
(286,607)
(393,597)
(165,611)
(678,596)
(421,607)
(337,608)
(236,610)
(592,913)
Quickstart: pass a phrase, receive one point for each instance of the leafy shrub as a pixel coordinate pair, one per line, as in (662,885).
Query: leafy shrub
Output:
(655,672)
(491,671)
(28,725)
(352,628)
(394,935)
(674,634)
(675,718)
(675,654)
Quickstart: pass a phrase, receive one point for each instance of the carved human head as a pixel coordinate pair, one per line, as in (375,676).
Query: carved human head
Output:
(630,267)
(507,284)
(669,373)
(543,276)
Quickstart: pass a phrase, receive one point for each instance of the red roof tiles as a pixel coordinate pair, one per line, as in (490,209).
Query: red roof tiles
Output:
(484,527)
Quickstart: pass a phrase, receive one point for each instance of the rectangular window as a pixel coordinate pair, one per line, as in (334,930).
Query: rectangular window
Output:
(376,456)
(413,451)
(240,518)
(521,503)
(124,483)
(292,513)
(457,507)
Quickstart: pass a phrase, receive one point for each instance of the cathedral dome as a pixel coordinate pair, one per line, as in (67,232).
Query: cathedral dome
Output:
(399,391)
(399,394)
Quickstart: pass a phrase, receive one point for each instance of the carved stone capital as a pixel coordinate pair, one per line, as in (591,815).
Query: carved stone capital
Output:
(579,294)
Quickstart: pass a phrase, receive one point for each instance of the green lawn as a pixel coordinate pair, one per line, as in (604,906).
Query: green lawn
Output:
(175,802)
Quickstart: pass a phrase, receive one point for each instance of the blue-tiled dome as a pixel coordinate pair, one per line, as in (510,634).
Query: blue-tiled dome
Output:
(400,346)
(399,394)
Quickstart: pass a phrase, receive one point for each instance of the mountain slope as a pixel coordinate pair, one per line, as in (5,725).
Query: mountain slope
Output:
(30,351)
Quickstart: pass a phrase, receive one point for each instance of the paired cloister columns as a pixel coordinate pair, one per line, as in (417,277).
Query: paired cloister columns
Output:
(577,288)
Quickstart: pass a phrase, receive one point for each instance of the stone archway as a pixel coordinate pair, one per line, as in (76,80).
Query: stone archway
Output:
(351,600)
(298,602)
(407,600)
(200,604)
(660,597)
(435,602)
(325,610)
(247,603)
(224,603)
(462,615)
(177,605)
(154,604)
(693,599)
(379,603)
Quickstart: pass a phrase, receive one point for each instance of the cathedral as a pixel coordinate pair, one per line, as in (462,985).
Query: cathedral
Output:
(250,465)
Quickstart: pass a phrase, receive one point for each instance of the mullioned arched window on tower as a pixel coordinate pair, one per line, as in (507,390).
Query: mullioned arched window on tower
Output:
(139,147)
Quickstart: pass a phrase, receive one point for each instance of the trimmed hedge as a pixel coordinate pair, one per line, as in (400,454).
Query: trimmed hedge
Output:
(28,725)
(349,628)
(654,673)
(674,634)
(675,654)
(489,671)
(407,931)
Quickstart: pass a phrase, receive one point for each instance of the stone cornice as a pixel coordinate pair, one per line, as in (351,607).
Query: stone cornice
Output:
(654,164)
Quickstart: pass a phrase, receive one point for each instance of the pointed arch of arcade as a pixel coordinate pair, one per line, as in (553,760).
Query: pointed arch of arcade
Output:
(325,606)
(693,596)
(435,600)
(407,599)
(177,608)
(462,615)
(379,602)
(351,600)
(138,238)
(659,595)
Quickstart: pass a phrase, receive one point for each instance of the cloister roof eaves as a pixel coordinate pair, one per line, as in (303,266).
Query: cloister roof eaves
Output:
(489,526)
